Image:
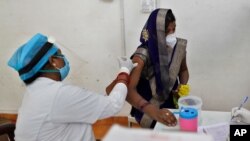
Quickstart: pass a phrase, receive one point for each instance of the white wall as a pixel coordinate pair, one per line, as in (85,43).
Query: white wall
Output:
(90,31)
(218,36)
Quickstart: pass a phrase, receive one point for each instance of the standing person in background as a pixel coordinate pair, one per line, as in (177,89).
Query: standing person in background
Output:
(52,110)
(161,75)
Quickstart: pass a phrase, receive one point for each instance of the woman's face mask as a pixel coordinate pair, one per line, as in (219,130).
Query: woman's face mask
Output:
(171,40)
(64,71)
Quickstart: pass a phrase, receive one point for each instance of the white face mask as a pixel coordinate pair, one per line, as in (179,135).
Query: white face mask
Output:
(171,40)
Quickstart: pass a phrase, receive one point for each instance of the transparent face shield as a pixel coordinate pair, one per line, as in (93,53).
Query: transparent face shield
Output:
(77,62)
(90,66)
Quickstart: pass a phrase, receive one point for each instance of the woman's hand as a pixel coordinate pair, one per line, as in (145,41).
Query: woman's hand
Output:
(166,117)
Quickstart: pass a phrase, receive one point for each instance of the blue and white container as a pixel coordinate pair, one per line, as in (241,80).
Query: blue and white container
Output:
(191,102)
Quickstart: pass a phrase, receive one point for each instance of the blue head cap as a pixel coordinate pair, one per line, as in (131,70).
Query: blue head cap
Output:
(32,56)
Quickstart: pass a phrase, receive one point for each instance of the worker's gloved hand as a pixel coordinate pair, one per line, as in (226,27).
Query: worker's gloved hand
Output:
(126,65)
(243,114)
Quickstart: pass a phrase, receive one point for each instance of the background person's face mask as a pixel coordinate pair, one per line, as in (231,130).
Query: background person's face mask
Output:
(171,40)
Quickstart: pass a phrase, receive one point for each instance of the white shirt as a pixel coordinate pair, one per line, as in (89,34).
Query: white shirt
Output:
(53,111)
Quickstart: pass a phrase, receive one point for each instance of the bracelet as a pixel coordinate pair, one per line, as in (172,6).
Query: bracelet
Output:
(145,104)
(123,76)
(123,73)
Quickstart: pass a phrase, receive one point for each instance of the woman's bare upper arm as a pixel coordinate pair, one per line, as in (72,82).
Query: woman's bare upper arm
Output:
(133,97)
(136,73)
